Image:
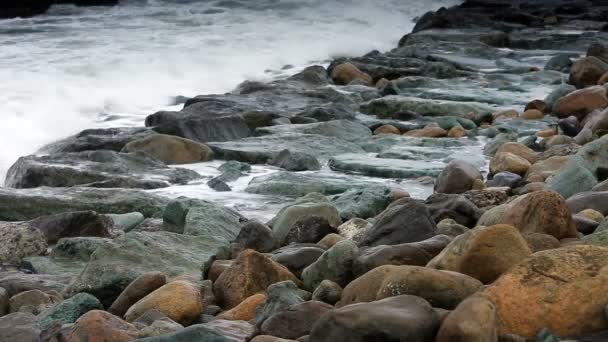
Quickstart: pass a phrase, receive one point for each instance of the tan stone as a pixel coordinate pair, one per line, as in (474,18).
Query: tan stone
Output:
(603,80)
(217,268)
(483,253)
(473,320)
(456,132)
(592,215)
(543,169)
(245,311)
(561,289)
(330,240)
(519,150)
(541,242)
(179,300)
(532,114)
(136,290)
(506,114)
(546,133)
(171,149)
(427,132)
(345,73)
(581,102)
(102,326)
(383,82)
(251,272)
(386,129)
(506,161)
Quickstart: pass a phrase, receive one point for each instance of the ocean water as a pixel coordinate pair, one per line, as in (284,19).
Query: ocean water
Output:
(78,68)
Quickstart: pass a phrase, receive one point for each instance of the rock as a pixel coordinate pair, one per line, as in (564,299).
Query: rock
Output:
(297,257)
(386,106)
(281,296)
(427,132)
(217,268)
(255,235)
(483,253)
(415,254)
(18,240)
(335,265)
(361,164)
(386,129)
(74,224)
(250,273)
(587,71)
(28,204)
(569,125)
(545,285)
(328,292)
(539,105)
(450,228)
(584,225)
(501,139)
(505,114)
(218,185)
(126,222)
(541,242)
(97,169)
(581,102)
(198,332)
(532,114)
(296,321)
(160,327)
(509,162)
(201,218)
(561,62)
(4,302)
(458,177)
(354,229)
(233,330)
(245,311)
(345,73)
(519,150)
(544,169)
(456,132)
(588,200)
(171,149)
(112,267)
(69,310)
(19,326)
(286,218)
(508,179)
(405,220)
(557,93)
(15,282)
(362,202)
(310,229)
(100,325)
(295,161)
(538,212)
(136,290)
(32,301)
(592,215)
(456,207)
(399,318)
(473,320)
(179,300)
(330,240)
(443,289)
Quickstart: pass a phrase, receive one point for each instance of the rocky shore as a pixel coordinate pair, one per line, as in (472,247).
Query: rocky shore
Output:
(500,106)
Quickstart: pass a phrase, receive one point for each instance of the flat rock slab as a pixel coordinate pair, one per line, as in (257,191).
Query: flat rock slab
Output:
(386,168)
(386,106)
(28,204)
(342,129)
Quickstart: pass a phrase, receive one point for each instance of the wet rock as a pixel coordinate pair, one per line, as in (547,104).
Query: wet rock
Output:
(255,235)
(483,253)
(69,310)
(569,125)
(519,150)
(347,130)
(456,132)
(587,71)
(136,290)
(327,292)
(581,102)
(250,273)
(19,240)
(427,132)
(443,289)
(458,177)
(179,300)
(545,285)
(346,73)
(218,185)
(382,167)
(170,149)
(245,311)
(295,161)
(199,218)
(456,207)
(297,257)
(561,62)
(19,326)
(415,254)
(27,204)
(113,139)
(557,93)
(336,264)
(296,321)
(100,325)
(386,106)
(473,320)
(405,220)
(400,318)
(362,202)
(74,224)
(509,162)
(126,222)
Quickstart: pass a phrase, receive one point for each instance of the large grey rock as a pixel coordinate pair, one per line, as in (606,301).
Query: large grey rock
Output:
(27,204)
(296,257)
(198,332)
(452,206)
(98,169)
(456,178)
(113,139)
(291,161)
(20,327)
(281,296)
(15,282)
(362,203)
(296,321)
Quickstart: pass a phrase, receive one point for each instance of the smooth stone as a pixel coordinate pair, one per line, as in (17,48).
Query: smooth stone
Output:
(136,290)
(335,264)
(457,177)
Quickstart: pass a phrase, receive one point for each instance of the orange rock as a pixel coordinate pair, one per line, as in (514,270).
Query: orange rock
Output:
(102,326)
(532,114)
(581,102)
(345,73)
(179,300)
(330,240)
(386,129)
(250,273)
(217,268)
(245,311)
(427,132)
(561,289)
(171,149)
(456,132)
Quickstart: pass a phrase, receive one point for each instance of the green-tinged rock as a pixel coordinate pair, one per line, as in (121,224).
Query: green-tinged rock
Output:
(199,217)
(362,203)
(127,221)
(501,139)
(112,267)
(69,310)
(27,204)
(342,129)
(384,167)
(597,239)
(336,264)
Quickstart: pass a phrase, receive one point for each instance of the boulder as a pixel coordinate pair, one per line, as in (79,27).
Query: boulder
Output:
(457,177)
(197,332)
(354,229)
(327,292)
(457,132)
(587,71)
(387,129)
(443,289)
(136,290)
(595,200)
(452,206)
(483,253)
(32,301)
(346,73)
(427,132)
(19,240)
(473,320)
(245,311)
(581,102)
(548,286)
(399,318)
(100,326)
(20,326)
(4,302)
(69,310)
(281,296)
(405,220)
(295,161)
(506,179)
(509,162)
(310,229)
(336,264)
(544,169)
(296,321)
(362,202)
(250,273)
(450,228)
(541,242)
(74,224)
(519,150)
(255,235)
(297,257)
(170,149)
(386,106)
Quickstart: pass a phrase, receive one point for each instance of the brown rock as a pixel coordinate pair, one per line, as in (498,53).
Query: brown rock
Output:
(102,326)
(587,71)
(546,133)
(562,289)
(245,311)
(473,320)
(532,114)
(171,149)
(483,253)
(387,129)
(180,300)
(345,73)
(541,242)
(33,301)
(519,150)
(427,132)
(581,102)
(532,187)
(136,290)
(456,132)
(544,169)
(539,105)
(506,115)
(250,273)
(217,268)
(442,289)
(506,161)
(330,240)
